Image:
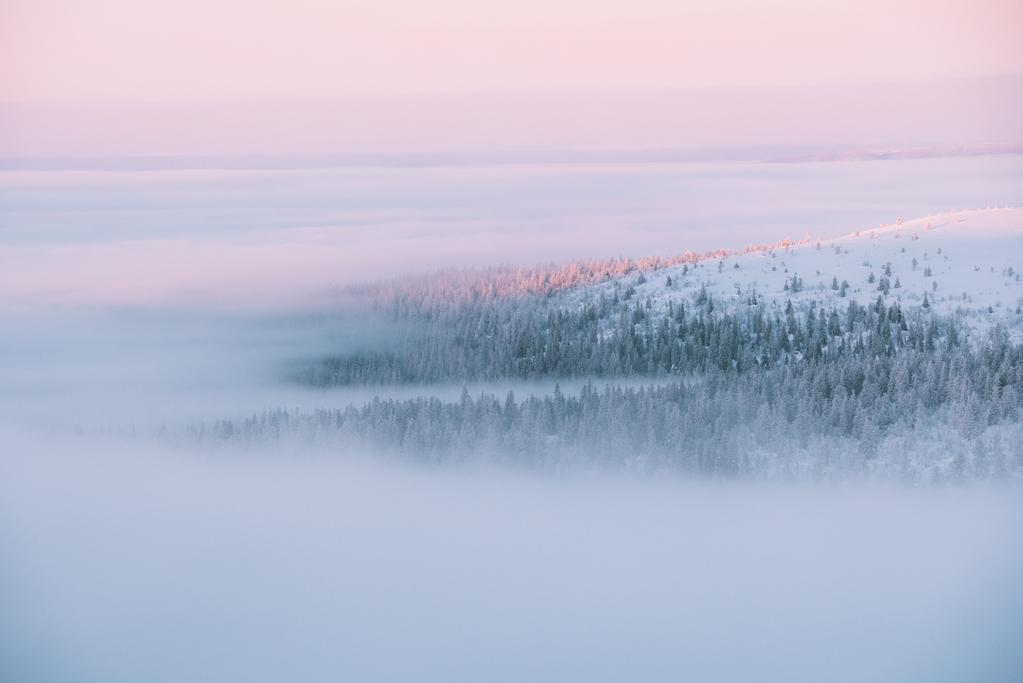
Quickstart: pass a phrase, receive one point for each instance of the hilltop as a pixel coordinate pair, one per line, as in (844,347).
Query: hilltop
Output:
(963,263)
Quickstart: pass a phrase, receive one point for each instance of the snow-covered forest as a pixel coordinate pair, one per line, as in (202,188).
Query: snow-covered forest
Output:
(770,376)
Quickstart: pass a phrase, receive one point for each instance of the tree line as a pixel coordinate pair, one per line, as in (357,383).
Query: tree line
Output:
(621,336)
(915,413)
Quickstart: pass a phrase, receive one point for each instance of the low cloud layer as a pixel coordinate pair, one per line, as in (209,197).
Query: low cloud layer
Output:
(124,564)
(257,240)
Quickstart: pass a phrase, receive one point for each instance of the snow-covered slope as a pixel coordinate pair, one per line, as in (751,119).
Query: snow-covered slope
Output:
(964,261)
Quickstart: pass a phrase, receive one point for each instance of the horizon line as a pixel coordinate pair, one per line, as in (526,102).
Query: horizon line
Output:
(505,157)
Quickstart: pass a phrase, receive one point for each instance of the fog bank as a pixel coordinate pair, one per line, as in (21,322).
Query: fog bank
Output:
(124,563)
(279,239)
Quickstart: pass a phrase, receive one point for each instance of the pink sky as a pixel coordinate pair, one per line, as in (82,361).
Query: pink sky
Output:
(93,77)
(203,49)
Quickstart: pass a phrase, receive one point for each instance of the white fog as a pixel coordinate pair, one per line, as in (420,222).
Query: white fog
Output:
(128,563)
(136,305)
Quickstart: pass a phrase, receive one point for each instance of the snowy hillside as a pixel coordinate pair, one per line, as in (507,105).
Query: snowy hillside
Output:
(889,361)
(965,262)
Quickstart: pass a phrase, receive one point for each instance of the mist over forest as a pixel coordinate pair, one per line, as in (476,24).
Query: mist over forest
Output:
(545,340)
(545,422)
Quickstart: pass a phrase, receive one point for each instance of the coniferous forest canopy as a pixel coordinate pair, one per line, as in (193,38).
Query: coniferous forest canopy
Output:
(743,388)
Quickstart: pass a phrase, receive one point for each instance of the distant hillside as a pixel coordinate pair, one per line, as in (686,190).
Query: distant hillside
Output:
(966,263)
(892,352)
